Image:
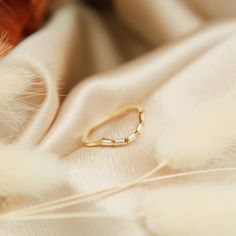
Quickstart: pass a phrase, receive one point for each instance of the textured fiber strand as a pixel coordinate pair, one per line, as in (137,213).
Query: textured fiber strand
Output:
(16,82)
(76,215)
(82,198)
(89,197)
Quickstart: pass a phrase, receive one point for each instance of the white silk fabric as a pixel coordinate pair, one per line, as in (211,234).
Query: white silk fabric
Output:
(168,56)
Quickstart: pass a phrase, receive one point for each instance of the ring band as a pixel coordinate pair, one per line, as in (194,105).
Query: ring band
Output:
(120,141)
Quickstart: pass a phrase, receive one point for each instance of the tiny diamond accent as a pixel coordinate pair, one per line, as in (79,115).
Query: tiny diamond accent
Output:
(120,141)
(107,142)
(132,137)
(140,128)
(141,117)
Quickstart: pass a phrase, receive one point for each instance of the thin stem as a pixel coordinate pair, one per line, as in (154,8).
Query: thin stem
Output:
(77,199)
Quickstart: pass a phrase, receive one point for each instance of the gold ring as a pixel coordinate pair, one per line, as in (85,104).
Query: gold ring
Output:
(120,141)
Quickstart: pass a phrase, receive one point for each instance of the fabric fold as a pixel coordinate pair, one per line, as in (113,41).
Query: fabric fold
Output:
(165,56)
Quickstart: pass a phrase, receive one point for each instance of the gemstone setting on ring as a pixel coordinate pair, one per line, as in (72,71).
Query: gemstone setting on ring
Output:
(119,141)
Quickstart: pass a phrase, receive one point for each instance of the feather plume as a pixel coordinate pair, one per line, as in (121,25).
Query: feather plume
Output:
(205,137)
(14,81)
(28,172)
(204,210)
(16,84)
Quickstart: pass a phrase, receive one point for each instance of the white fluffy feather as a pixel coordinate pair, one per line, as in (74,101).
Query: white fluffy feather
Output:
(28,172)
(22,171)
(206,136)
(15,81)
(204,210)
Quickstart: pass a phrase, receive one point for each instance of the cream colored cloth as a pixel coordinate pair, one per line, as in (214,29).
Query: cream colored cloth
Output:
(169,56)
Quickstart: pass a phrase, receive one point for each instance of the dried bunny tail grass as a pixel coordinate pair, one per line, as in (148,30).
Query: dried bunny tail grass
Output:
(192,210)
(78,198)
(14,79)
(28,172)
(38,211)
(206,136)
(4,45)
(18,86)
(23,171)
(75,215)
(174,211)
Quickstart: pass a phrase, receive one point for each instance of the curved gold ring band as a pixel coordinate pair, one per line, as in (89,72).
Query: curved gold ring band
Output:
(120,141)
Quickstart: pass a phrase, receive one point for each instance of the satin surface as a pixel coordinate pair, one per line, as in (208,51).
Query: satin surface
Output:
(168,56)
